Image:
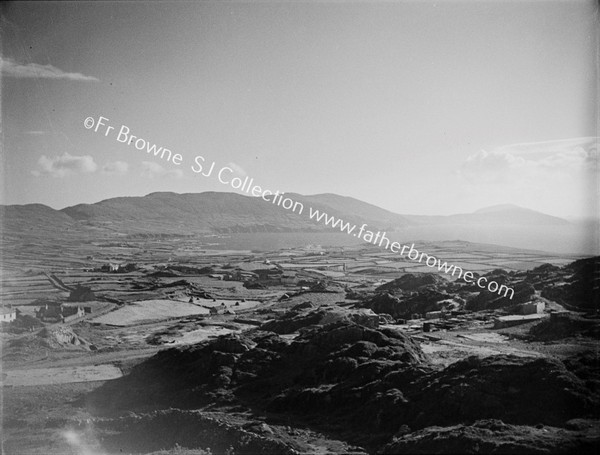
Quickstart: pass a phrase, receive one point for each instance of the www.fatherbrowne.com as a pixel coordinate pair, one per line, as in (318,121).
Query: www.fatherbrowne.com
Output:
(380,239)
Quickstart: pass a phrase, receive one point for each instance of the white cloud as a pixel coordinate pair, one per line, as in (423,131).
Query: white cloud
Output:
(569,158)
(115,168)
(558,177)
(237,169)
(558,146)
(10,68)
(150,169)
(66,164)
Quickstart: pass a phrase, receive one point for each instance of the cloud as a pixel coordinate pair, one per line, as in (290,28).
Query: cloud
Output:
(35,133)
(10,68)
(566,158)
(150,169)
(557,177)
(115,168)
(66,164)
(237,169)
(558,146)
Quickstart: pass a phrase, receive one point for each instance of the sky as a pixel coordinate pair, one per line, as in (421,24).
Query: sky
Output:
(419,107)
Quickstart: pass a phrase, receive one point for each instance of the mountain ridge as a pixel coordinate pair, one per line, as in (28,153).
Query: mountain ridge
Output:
(222,212)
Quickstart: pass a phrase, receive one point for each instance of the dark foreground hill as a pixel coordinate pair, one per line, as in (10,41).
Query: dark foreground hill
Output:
(371,387)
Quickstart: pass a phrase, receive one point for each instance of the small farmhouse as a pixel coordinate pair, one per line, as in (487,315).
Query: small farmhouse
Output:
(8,314)
(59,312)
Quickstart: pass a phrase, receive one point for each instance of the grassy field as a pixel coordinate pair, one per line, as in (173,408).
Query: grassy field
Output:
(63,375)
(149,310)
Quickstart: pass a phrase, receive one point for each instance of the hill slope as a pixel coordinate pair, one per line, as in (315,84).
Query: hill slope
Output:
(23,218)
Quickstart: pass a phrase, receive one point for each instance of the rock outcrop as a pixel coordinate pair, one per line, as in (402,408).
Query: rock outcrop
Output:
(296,319)
(367,385)
(496,437)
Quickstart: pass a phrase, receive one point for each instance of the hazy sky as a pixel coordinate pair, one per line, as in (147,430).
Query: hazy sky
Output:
(419,107)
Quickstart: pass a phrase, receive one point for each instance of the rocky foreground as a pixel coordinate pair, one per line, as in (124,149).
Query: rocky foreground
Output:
(368,389)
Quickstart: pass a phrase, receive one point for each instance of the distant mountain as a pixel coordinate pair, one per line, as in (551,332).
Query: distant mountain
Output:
(365,211)
(217,212)
(502,208)
(188,213)
(497,215)
(223,213)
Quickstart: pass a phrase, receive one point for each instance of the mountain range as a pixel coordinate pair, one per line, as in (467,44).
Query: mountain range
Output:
(219,212)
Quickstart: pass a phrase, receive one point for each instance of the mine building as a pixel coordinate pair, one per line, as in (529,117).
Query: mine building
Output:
(533,307)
